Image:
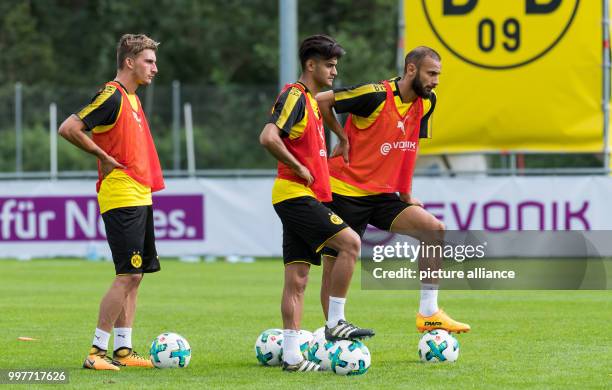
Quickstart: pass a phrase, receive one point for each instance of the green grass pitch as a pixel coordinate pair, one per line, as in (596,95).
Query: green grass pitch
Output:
(519,339)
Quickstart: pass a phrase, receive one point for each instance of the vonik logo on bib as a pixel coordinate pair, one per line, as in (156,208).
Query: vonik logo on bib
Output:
(387,147)
(496,34)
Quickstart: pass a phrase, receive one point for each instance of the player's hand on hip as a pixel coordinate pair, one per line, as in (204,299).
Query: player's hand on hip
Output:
(304,173)
(411,199)
(342,149)
(108,164)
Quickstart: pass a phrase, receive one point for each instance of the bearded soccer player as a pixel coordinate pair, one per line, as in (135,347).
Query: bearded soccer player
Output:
(371,173)
(295,137)
(128,172)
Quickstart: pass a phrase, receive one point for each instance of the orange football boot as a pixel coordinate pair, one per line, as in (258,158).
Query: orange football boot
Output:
(130,358)
(97,360)
(440,320)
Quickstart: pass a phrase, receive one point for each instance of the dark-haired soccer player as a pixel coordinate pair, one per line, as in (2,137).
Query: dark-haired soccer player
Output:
(128,171)
(295,136)
(374,186)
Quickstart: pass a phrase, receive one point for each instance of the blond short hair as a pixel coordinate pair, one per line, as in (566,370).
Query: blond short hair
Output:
(131,44)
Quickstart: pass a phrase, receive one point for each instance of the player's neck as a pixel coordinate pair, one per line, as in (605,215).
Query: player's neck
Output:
(128,82)
(406,92)
(309,82)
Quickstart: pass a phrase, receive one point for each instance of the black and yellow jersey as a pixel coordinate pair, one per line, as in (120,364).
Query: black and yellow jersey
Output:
(289,115)
(118,189)
(289,112)
(365,102)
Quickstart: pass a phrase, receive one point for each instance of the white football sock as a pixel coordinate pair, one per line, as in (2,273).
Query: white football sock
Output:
(100,339)
(429,299)
(336,311)
(291,346)
(123,338)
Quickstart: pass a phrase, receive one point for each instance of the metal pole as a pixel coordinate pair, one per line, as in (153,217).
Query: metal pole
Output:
(191,168)
(18,128)
(53,139)
(176,125)
(512,163)
(606,83)
(401,26)
(288,26)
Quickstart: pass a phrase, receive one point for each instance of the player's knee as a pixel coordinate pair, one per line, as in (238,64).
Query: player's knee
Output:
(135,278)
(431,230)
(351,245)
(439,226)
(440,230)
(128,281)
(299,284)
(299,280)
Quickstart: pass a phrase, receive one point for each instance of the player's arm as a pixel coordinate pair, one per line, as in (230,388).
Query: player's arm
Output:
(271,140)
(73,130)
(101,113)
(326,101)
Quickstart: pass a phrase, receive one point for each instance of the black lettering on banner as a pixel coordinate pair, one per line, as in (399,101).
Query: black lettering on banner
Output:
(486,35)
(533,7)
(450,8)
(512,30)
(493,33)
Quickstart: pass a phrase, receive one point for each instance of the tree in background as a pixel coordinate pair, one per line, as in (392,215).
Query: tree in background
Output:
(205,42)
(225,53)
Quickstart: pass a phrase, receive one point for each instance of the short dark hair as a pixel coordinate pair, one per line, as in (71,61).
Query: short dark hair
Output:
(319,47)
(131,44)
(416,56)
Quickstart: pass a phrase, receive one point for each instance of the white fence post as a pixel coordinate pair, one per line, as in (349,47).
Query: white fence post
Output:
(191,168)
(53,140)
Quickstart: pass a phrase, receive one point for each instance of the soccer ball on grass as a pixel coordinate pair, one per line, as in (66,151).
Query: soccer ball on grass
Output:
(349,357)
(438,346)
(170,350)
(319,351)
(269,347)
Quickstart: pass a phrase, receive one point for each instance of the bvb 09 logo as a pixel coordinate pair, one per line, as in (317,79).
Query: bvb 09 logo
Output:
(500,34)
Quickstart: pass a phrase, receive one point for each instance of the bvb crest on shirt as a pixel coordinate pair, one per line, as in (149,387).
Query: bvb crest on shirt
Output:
(136,260)
(497,34)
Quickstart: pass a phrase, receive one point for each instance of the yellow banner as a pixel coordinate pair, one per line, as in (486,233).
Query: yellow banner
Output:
(517,75)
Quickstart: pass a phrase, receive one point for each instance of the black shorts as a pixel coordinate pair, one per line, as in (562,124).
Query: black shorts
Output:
(307,225)
(131,237)
(358,211)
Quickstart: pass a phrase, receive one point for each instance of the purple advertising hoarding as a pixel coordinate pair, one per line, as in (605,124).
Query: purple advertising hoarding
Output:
(69,218)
